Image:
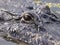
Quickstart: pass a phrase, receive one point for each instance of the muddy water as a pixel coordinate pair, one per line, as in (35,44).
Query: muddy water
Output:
(4,42)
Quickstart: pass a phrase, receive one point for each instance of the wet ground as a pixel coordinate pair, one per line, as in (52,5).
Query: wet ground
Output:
(16,7)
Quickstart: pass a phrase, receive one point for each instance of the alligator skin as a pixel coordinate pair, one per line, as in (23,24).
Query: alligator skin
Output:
(31,27)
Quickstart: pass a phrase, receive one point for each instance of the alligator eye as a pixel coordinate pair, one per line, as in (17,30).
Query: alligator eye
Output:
(27,17)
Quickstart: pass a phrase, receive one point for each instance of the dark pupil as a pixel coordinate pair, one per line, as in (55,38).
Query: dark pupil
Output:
(27,17)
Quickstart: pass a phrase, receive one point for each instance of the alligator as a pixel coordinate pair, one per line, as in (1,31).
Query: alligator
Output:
(31,27)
